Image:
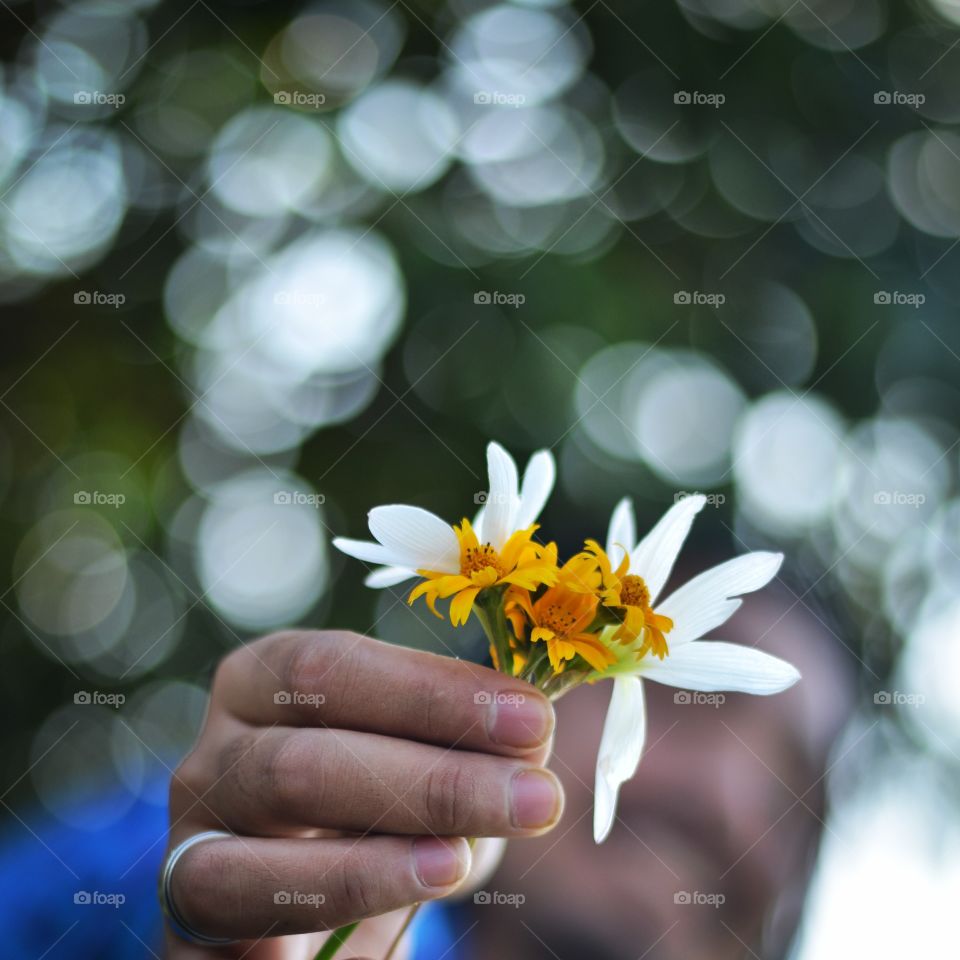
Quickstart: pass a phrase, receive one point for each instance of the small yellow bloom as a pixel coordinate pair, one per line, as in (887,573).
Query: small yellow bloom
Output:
(520,562)
(559,618)
(518,655)
(628,592)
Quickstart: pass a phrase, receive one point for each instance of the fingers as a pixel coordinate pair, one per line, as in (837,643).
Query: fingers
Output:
(312,733)
(361,782)
(344,680)
(252,888)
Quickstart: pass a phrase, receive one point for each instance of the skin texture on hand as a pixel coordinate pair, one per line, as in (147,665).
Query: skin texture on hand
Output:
(349,773)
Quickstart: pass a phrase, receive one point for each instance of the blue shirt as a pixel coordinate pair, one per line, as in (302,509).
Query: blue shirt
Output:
(90,893)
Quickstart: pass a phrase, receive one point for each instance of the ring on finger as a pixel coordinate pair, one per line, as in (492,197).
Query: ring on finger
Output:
(179,926)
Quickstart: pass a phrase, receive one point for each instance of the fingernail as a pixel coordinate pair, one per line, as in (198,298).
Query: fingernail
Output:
(439,862)
(520,720)
(536,799)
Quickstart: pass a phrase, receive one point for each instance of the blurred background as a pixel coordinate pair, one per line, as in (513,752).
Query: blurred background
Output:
(264,266)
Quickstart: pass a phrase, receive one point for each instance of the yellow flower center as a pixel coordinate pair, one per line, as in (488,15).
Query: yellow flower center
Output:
(634,592)
(479,558)
(558,618)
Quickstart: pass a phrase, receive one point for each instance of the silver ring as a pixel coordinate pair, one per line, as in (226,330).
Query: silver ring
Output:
(179,926)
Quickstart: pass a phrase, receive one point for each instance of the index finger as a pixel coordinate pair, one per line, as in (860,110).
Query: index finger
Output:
(340,679)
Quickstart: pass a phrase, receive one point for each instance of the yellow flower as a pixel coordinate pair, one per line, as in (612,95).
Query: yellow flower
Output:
(407,539)
(520,562)
(627,592)
(559,618)
(518,650)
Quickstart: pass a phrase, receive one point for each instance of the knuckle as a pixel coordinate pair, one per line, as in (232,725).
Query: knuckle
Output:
(285,766)
(436,714)
(234,754)
(310,654)
(186,784)
(357,892)
(297,655)
(224,673)
(450,799)
(238,786)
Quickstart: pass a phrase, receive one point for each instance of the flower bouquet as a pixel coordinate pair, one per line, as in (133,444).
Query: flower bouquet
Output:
(598,615)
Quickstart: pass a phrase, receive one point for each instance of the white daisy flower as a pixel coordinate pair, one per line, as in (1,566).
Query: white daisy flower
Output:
(411,541)
(685,616)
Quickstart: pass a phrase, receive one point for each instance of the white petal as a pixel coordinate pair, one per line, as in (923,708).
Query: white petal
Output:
(706,601)
(655,555)
(503,500)
(622,531)
(538,480)
(478,525)
(621,745)
(364,550)
(710,665)
(416,538)
(388,577)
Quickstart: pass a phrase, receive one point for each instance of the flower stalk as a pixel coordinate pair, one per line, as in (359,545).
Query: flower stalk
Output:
(336,941)
(488,609)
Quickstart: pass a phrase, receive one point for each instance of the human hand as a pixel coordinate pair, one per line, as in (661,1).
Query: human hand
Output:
(349,772)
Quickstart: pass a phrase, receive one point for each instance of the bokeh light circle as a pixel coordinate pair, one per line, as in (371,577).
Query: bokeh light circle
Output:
(787,456)
(261,552)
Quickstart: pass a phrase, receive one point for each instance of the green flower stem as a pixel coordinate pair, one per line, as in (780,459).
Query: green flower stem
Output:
(532,669)
(558,685)
(488,609)
(411,913)
(336,941)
